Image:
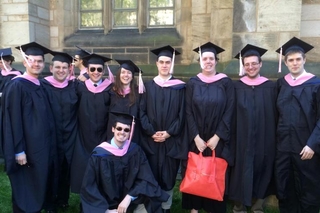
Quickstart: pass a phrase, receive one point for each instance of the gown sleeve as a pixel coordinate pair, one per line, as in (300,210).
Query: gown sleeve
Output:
(144,120)
(223,130)
(91,198)
(314,139)
(13,141)
(177,126)
(191,121)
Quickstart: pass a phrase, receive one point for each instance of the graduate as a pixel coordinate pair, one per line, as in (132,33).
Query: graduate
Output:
(118,176)
(125,95)
(81,63)
(297,159)
(162,116)
(209,108)
(63,100)
(7,72)
(29,134)
(93,111)
(253,134)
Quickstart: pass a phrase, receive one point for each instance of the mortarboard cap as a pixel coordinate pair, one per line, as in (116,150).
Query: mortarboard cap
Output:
(82,52)
(165,51)
(129,65)
(250,50)
(5,52)
(294,44)
(61,56)
(209,47)
(33,48)
(123,118)
(96,59)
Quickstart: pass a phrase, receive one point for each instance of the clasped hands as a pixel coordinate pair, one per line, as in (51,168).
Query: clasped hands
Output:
(160,136)
(211,143)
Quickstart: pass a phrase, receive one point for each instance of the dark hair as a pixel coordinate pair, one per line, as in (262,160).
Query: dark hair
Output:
(293,50)
(8,58)
(118,87)
(250,53)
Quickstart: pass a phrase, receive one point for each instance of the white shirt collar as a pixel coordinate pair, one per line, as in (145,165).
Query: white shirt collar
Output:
(98,83)
(302,74)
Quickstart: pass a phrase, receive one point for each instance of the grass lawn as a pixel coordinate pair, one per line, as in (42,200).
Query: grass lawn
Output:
(5,199)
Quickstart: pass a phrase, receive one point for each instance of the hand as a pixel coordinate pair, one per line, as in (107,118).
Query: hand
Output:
(164,134)
(123,206)
(82,78)
(307,153)
(21,159)
(158,137)
(201,145)
(213,142)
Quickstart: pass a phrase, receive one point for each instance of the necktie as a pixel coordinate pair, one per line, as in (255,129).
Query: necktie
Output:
(95,85)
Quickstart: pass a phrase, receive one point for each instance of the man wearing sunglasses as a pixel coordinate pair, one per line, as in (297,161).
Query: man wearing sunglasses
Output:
(93,113)
(118,176)
(81,63)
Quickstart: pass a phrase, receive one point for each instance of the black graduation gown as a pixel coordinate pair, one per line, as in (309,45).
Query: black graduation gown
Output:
(3,81)
(109,178)
(28,125)
(298,125)
(254,141)
(93,113)
(163,109)
(122,104)
(63,102)
(209,109)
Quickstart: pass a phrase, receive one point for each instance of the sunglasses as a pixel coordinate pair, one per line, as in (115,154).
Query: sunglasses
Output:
(124,129)
(76,59)
(92,69)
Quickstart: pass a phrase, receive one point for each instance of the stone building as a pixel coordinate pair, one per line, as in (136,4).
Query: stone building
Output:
(130,28)
(100,26)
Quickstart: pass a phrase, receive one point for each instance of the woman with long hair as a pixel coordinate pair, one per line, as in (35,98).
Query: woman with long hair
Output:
(124,96)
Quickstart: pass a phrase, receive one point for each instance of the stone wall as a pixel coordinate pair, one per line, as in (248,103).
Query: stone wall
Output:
(23,21)
(230,24)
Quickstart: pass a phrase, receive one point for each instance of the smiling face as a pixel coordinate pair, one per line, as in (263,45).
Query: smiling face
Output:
(60,70)
(36,63)
(209,63)
(121,133)
(94,72)
(125,76)
(252,66)
(295,63)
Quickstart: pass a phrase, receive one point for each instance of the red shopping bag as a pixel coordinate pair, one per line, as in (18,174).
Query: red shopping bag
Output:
(205,176)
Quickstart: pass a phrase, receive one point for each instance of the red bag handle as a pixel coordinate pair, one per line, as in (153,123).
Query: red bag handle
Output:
(200,165)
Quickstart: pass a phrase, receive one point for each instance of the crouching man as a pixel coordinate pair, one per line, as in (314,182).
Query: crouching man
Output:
(118,177)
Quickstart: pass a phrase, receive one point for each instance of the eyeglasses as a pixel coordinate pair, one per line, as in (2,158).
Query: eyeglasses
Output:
(92,69)
(124,129)
(253,64)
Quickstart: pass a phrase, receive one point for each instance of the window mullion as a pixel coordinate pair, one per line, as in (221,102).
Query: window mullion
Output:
(142,15)
(107,16)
